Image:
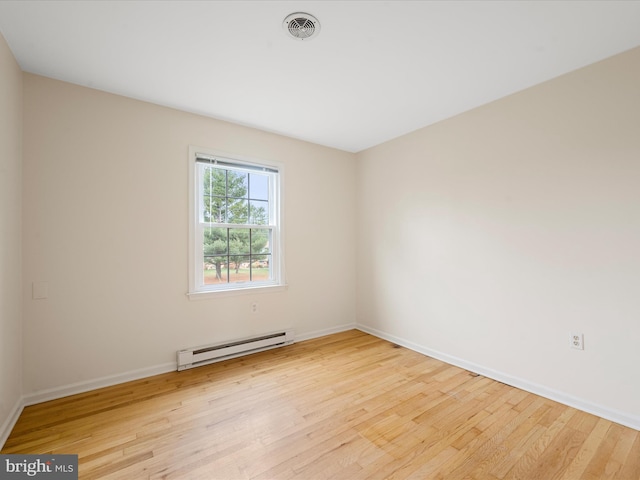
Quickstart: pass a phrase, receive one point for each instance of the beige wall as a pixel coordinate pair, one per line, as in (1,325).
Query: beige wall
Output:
(106,226)
(491,236)
(10,221)
(486,238)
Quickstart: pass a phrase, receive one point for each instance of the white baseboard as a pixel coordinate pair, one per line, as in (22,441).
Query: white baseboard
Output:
(88,385)
(325,331)
(623,418)
(85,386)
(80,387)
(10,422)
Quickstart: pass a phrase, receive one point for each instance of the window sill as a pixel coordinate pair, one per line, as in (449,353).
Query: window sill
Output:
(233,292)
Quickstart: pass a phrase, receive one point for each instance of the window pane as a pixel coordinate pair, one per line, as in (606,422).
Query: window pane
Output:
(258,186)
(260,241)
(238,211)
(215,241)
(239,268)
(239,241)
(214,188)
(231,199)
(214,181)
(260,267)
(215,209)
(215,270)
(259,212)
(237,184)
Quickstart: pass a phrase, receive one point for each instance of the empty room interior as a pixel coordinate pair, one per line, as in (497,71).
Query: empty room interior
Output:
(305,239)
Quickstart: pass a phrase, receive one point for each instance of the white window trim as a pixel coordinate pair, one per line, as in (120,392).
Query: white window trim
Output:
(277,253)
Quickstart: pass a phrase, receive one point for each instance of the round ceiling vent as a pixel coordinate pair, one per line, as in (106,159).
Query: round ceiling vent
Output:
(301,26)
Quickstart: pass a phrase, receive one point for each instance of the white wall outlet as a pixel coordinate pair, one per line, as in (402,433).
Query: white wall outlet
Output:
(577,341)
(254,307)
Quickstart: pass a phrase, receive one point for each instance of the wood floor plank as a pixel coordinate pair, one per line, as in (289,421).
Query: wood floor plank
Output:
(345,406)
(618,455)
(603,454)
(631,466)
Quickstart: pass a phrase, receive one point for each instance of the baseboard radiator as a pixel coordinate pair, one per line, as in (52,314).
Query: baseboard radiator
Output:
(204,355)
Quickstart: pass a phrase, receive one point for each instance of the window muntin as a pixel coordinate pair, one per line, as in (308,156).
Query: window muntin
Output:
(235,225)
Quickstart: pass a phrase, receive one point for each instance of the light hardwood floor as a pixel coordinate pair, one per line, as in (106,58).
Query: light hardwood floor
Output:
(347,406)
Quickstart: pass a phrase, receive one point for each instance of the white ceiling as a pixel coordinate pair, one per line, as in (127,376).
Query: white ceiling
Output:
(378,69)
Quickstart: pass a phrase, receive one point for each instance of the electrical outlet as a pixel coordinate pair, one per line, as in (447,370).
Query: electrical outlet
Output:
(577,341)
(254,307)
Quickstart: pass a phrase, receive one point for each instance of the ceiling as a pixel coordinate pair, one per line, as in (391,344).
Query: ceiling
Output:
(377,70)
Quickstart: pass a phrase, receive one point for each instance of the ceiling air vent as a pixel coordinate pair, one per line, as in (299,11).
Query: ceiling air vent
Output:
(301,26)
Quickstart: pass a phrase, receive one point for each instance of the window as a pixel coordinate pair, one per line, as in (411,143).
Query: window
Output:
(235,224)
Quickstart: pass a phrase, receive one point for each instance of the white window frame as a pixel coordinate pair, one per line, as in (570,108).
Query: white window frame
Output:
(197,288)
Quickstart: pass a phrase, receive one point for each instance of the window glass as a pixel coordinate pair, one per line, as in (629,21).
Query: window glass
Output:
(235,228)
